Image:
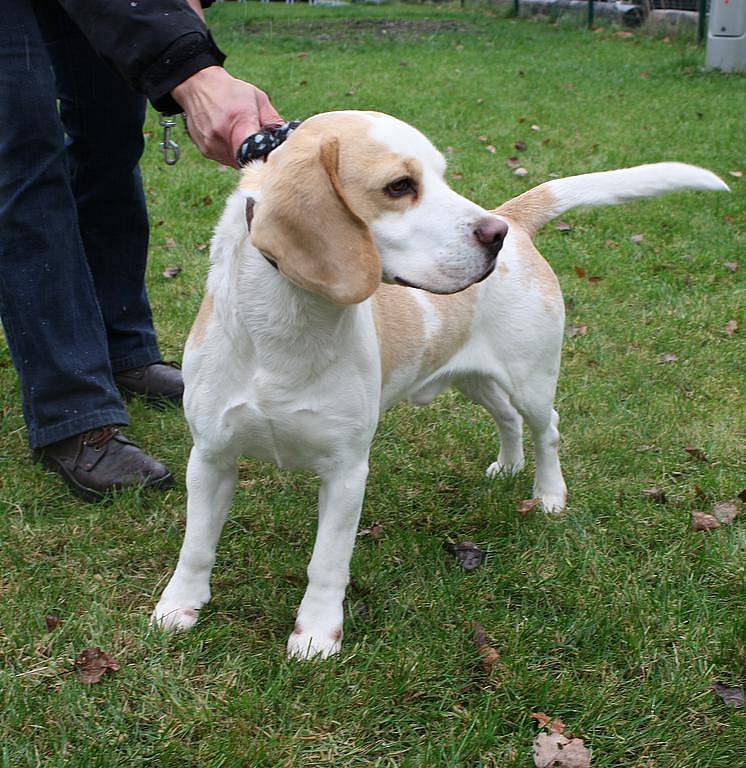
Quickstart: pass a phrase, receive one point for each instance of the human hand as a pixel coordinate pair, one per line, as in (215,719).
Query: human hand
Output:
(222,111)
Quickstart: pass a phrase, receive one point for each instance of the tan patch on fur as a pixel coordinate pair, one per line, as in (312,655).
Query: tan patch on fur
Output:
(530,210)
(337,635)
(535,271)
(199,328)
(401,332)
(455,312)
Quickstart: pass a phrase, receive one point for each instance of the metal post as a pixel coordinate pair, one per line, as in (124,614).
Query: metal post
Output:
(702,25)
(590,14)
(516,7)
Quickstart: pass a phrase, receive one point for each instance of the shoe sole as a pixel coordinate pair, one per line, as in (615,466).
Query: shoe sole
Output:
(93,496)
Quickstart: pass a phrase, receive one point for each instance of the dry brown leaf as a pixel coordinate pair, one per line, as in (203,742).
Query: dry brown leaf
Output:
(491,149)
(520,145)
(375,531)
(725,511)
(742,495)
(611,244)
(520,172)
(696,453)
(732,697)
(468,555)
(563,226)
(513,163)
(580,272)
(541,719)
(202,247)
(623,33)
(668,357)
(169,243)
(535,127)
(483,139)
(303,55)
(457,176)
(731,266)
(557,751)
(526,506)
(736,174)
(636,239)
(52,622)
(655,494)
(704,522)
(487,653)
(731,327)
(92,664)
(595,279)
(577,330)
(170,272)
(544,142)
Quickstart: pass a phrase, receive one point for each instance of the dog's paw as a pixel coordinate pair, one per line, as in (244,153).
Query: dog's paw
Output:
(501,469)
(313,644)
(553,502)
(173,618)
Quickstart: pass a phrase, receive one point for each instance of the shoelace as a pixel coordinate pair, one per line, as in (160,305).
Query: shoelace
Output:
(97,438)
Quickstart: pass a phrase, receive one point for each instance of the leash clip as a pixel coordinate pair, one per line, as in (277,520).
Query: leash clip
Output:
(169,148)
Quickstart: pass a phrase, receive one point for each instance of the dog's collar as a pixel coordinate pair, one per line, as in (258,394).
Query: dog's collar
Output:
(249,218)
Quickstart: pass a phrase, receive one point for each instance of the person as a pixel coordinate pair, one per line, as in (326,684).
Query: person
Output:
(73,218)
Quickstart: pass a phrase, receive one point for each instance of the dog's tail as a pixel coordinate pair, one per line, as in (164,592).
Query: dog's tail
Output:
(534,208)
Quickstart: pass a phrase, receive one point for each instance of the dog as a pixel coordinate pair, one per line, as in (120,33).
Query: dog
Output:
(345,277)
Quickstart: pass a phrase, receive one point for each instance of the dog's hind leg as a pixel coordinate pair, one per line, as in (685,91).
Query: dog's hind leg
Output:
(318,627)
(487,392)
(210,486)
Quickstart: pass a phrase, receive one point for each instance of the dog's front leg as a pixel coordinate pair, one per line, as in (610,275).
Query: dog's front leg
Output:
(210,486)
(318,628)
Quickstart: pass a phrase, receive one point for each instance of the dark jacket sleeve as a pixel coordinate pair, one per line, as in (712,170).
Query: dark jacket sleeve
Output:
(153,44)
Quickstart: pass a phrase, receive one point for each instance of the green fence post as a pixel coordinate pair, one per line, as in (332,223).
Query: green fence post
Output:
(701,34)
(516,7)
(590,14)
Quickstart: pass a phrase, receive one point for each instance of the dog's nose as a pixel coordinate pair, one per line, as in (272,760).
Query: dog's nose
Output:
(491,232)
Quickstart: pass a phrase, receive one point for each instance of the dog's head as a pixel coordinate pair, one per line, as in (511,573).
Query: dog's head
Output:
(355,197)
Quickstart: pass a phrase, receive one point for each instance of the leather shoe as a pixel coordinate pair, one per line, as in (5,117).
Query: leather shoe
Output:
(157,383)
(103,460)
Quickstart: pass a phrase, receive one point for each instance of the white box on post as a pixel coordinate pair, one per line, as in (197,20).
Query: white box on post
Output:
(726,39)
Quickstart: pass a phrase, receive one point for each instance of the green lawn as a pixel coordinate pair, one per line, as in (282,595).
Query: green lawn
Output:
(616,616)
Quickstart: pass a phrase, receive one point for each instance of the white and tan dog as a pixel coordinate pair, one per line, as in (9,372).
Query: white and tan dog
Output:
(303,341)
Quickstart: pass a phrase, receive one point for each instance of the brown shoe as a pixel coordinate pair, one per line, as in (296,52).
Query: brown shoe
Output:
(157,383)
(103,460)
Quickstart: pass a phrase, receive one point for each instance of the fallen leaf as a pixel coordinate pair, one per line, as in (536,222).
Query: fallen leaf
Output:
(147,134)
(732,697)
(92,664)
(468,555)
(725,511)
(303,82)
(457,176)
(542,719)
(668,357)
(611,244)
(513,163)
(742,495)
(202,247)
(535,127)
(488,654)
(666,39)
(580,272)
(595,279)
(544,142)
(552,725)
(520,172)
(207,200)
(52,622)
(696,453)
(623,33)
(655,494)
(303,55)
(169,243)
(403,63)
(731,327)
(556,726)
(449,150)
(699,493)
(375,531)
(563,226)
(557,751)
(520,145)
(644,75)
(731,266)
(491,149)
(170,272)
(704,522)
(483,139)
(637,239)
(577,330)
(736,174)
(526,506)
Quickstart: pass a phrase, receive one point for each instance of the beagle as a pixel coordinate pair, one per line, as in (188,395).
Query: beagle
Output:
(346,276)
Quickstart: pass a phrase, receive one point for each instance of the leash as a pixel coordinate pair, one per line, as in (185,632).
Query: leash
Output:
(253,147)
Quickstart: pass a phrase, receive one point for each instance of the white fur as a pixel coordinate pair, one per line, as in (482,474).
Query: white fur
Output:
(285,376)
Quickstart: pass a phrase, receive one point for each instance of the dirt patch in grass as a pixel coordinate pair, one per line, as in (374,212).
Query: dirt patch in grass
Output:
(352,29)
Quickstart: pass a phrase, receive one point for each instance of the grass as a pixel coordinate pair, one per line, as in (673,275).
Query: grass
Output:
(615,617)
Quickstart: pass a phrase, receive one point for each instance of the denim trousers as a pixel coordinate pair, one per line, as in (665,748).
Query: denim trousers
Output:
(73,224)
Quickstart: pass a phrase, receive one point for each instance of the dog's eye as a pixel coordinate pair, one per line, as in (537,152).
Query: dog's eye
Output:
(400,187)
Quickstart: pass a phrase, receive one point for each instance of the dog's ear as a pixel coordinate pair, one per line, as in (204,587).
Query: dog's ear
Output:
(303,222)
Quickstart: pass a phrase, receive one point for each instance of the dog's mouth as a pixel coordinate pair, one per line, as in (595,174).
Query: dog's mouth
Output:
(407,284)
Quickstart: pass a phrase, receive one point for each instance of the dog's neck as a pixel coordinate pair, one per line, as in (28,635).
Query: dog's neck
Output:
(283,322)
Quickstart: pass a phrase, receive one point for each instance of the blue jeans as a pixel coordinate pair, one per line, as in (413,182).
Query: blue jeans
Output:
(73,224)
